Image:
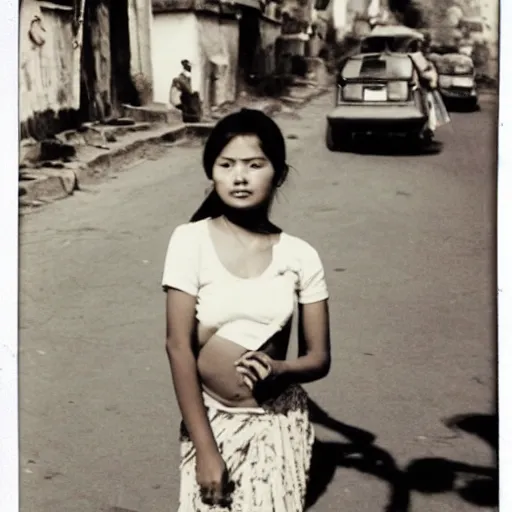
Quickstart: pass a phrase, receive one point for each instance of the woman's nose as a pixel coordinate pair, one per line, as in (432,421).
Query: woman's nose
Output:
(240,173)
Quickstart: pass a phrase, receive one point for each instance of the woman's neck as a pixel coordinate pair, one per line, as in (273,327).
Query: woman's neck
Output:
(256,221)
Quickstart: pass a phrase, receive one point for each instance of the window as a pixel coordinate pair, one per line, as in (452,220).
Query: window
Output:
(379,67)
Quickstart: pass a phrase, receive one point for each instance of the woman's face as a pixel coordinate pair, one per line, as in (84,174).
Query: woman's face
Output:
(242,174)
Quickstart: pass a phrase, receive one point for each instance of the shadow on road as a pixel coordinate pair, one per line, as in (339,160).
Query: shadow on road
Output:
(427,476)
(359,453)
(477,485)
(461,106)
(392,146)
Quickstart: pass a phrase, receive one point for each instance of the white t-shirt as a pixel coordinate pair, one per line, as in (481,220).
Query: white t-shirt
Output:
(247,311)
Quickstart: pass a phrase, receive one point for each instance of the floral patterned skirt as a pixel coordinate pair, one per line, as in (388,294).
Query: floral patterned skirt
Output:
(267,451)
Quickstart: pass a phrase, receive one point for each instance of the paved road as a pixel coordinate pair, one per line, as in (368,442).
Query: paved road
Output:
(408,246)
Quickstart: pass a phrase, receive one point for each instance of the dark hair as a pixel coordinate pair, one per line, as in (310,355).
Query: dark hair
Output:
(243,122)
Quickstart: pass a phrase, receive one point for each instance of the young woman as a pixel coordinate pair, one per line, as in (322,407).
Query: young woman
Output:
(232,280)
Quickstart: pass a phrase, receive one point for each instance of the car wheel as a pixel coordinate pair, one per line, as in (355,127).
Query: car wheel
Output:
(428,136)
(337,140)
(331,139)
(413,138)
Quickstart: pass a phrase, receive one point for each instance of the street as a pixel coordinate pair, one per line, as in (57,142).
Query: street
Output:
(408,245)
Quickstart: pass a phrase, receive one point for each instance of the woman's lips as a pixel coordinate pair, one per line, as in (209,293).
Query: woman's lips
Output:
(240,193)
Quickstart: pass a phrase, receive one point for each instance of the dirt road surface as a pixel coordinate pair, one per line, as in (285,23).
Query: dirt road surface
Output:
(408,243)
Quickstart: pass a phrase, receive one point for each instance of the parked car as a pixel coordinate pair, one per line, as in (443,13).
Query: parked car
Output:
(457,78)
(376,93)
(392,38)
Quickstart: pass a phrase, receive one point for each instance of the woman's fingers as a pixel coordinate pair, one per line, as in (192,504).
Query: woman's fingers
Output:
(260,357)
(247,376)
(248,382)
(254,366)
(261,369)
(254,369)
(217,494)
(206,495)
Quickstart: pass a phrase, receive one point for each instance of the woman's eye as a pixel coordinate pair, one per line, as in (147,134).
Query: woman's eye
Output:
(224,165)
(257,165)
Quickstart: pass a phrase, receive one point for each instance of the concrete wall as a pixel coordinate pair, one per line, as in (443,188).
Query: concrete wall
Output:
(99,29)
(218,41)
(174,37)
(46,66)
(344,12)
(209,44)
(269,30)
(140,25)
(338,10)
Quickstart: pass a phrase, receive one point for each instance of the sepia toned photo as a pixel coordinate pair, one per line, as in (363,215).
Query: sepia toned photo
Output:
(257,255)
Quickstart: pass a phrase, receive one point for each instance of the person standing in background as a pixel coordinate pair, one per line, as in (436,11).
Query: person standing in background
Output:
(428,77)
(183,97)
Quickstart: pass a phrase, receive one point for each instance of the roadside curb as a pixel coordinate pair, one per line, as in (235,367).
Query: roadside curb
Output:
(44,185)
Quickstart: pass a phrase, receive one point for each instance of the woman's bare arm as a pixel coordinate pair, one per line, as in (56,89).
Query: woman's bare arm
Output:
(179,346)
(314,359)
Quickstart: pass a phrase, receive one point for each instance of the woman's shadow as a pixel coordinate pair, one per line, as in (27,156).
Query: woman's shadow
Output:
(359,453)
(424,475)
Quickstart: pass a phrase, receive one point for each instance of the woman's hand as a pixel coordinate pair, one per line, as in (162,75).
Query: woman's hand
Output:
(213,479)
(258,366)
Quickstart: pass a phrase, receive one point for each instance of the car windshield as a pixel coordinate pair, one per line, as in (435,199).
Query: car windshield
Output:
(378,66)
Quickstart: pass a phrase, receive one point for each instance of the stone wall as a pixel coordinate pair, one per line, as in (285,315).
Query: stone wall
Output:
(97,67)
(140,22)
(71,72)
(174,37)
(218,41)
(48,98)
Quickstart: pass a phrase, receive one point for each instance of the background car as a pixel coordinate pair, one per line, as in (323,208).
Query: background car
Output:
(376,93)
(457,79)
(392,38)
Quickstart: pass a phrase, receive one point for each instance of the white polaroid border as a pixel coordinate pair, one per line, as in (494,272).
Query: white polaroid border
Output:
(9,481)
(9,441)
(504,241)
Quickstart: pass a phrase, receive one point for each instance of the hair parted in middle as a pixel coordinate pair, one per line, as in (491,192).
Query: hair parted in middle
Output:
(244,122)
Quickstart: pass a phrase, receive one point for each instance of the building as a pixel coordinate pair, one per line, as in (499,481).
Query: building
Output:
(76,62)
(227,44)
(354,16)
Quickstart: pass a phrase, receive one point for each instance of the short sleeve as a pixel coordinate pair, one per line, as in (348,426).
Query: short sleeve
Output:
(312,286)
(181,267)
